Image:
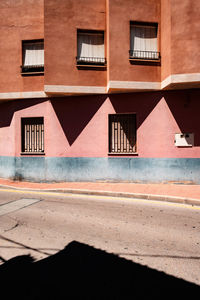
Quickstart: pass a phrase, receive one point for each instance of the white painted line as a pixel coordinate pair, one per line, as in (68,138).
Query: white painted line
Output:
(16,205)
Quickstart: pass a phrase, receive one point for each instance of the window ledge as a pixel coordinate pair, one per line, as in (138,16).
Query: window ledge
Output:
(31,73)
(32,153)
(123,153)
(145,61)
(91,65)
(32,70)
(91,62)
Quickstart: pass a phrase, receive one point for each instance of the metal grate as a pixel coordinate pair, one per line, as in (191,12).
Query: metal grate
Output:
(33,68)
(139,54)
(33,135)
(90,60)
(122,133)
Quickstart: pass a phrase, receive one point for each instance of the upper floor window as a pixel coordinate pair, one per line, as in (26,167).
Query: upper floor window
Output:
(144,41)
(90,47)
(33,56)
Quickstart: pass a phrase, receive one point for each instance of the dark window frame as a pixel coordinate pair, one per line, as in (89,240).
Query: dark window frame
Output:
(31,70)
(122,137)
(144,55)
(32,135)
(90,61)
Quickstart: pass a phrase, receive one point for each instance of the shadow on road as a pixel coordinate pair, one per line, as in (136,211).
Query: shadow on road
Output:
(80,271)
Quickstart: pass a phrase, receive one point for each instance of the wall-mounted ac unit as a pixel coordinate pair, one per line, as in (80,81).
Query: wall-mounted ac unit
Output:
(184,139)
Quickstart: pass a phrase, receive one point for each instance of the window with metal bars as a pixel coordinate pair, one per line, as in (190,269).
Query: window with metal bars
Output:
(90,47)
(122,133)
(32,130)
(144,41)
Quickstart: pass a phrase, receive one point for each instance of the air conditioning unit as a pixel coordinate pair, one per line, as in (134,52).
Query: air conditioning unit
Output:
(184,139)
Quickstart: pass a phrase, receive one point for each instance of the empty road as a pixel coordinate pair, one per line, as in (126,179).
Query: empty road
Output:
(164,236)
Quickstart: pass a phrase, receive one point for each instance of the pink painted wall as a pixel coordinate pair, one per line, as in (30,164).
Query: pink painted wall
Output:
(7,130)
(78,126)
(156,134)
(27,109)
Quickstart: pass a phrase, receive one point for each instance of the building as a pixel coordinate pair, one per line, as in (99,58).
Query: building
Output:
(100,90)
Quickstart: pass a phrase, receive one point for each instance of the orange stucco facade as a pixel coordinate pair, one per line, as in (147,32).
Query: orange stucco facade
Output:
(179,37)
(61,24)
(185,32)
(120,16)
(20,20)
(57,23)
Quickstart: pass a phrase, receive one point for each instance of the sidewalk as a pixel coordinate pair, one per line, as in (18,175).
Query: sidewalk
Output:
(164,192)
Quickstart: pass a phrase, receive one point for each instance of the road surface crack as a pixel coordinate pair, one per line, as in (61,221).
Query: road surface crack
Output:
(13,227)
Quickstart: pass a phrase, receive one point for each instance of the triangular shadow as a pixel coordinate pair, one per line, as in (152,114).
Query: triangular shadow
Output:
(140,103)
(75,113)
(7,109)
(80,271)
(185,107)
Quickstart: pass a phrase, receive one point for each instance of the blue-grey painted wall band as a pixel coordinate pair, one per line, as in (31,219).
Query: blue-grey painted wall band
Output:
(135,169)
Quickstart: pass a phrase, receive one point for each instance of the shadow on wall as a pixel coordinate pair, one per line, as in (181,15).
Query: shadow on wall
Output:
(140,103)
(9,108)
(185,107)
(83,272)
(75,113)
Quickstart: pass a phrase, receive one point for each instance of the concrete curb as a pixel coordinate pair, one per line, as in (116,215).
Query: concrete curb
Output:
(153,197)
(175,199)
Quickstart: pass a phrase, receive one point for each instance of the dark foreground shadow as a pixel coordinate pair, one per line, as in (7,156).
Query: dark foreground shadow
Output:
(83,272)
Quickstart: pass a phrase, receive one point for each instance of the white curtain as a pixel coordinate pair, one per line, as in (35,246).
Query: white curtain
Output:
(143,38)
(34,54)
(90,45)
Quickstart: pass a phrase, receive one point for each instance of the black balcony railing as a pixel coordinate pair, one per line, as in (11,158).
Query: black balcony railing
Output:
(90,60)
(33,68)
(146,55)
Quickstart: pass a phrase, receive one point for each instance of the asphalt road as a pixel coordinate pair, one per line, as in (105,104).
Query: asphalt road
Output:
(163,236)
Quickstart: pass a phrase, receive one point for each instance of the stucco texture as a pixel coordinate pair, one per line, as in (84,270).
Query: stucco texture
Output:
(76,138)
(78,126)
